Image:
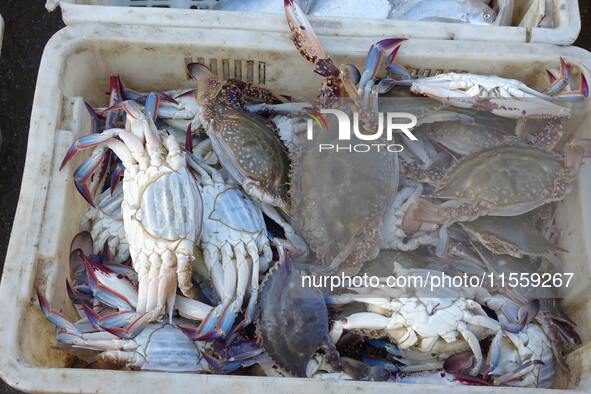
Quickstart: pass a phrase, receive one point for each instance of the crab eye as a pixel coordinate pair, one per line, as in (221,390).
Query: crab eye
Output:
(487,16)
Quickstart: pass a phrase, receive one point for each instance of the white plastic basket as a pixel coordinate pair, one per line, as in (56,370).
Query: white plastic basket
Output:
(565,32)
(77,62)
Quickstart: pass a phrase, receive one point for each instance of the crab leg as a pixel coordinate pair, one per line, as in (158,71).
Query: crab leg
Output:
(107,286)
(54,316)
(136,325)
(216,272)
(361,320)
(210,328)
(191,309)
(306,41)
(129,152)
(254,287)
(226,321)
(142,125)
(557,85)
(577,95)
(69,334)
(471,339)
(374,58)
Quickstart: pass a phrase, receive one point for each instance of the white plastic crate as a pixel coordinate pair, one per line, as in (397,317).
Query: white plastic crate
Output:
(565,32)
(77,63)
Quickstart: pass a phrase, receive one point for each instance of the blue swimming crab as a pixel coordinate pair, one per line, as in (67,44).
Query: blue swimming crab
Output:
(325,185)
(247,146)
(106,300)
(504,180)
(292,322)
(161,206)
(540,117)
(501,96)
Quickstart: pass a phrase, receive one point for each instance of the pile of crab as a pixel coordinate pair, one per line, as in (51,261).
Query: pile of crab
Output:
(207,206)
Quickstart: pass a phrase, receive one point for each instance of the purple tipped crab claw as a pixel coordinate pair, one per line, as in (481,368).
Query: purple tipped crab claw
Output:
(559,84)
(54,316)
(241,354)
(126,325)
(108,287)
(133,95)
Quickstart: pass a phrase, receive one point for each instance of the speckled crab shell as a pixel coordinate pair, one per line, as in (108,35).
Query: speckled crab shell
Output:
(463,139)
(247,146)
(339,200)
(251,152)
(504,180)
(512,235)
(292,319)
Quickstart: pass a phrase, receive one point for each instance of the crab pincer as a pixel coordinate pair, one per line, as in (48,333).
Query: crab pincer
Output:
(306,41)
(346,79)
(109,287)
(558,85)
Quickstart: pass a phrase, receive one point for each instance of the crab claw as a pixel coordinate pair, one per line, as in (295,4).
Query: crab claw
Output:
(469,380)
(218,323)
(248,316)
(204,77)
(350,73)
(385,85)
(116,176)
(84,143)
(130,107)
(306,41)
(227,366)
(376,55)
(55,317)
(133,95)
(83,173)
(82,241)
(95,121)
(185,93)
(189,139)
(459,363)
(151,106)
(399,73)
(119,319)
(109,287)
(517,373)
(241,350)
(575,96)
(566,328)
(557,84)
(131,331)
(384,364)
(198,71)
(115,97)
(524,316)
